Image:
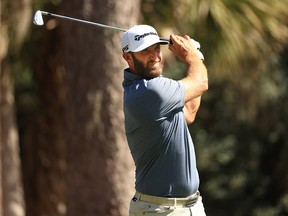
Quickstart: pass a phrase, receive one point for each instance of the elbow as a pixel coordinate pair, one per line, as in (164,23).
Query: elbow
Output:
(207,84)
(204,86)
(190,119)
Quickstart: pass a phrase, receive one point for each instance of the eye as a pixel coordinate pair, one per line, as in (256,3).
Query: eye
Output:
(158,48)
(145,51)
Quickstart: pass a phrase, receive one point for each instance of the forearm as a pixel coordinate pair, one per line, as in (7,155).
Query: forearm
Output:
(196,79)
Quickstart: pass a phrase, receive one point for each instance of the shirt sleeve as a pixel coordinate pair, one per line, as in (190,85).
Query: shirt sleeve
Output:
(165,96)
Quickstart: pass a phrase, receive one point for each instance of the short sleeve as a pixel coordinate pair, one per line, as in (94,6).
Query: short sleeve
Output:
(164,96)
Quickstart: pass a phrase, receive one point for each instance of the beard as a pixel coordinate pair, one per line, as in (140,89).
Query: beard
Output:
(149,70)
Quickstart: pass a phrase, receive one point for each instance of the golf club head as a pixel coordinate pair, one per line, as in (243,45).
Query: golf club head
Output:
(38,19)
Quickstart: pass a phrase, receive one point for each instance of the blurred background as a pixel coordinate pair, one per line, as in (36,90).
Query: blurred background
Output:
(63,149)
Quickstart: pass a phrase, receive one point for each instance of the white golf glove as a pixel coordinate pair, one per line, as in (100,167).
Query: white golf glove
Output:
(200,55)
(197,45)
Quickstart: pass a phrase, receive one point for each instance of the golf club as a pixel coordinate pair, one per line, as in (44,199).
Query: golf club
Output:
(38,20)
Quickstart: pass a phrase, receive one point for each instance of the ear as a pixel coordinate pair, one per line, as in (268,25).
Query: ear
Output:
(126,56)
(130,61)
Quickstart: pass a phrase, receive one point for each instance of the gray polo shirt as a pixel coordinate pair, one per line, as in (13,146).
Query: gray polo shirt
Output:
(158,136)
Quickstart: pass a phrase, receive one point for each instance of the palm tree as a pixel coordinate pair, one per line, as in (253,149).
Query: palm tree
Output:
(236,30)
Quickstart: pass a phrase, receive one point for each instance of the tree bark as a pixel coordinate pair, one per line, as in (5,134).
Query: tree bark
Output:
(100,168)
(12,202)
(11,190)
(43,143)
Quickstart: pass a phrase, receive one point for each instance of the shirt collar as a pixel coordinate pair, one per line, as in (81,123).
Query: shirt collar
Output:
(129,77)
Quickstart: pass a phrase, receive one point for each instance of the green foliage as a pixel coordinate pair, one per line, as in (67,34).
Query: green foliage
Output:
(24,80)
(241,142)
(236,30)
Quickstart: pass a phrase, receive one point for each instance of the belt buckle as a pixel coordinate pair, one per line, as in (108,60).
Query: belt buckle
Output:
(192,200)
(190,203)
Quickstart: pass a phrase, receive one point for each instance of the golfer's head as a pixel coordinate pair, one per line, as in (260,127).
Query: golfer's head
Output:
(141,50)
(139,38)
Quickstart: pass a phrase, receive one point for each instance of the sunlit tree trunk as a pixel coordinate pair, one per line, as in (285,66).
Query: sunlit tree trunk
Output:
(11,191)
(12,202)
(2,54)
(100,169)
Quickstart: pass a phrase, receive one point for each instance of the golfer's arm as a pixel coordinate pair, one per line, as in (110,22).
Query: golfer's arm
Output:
(196,80)
(190,109)
(196,83)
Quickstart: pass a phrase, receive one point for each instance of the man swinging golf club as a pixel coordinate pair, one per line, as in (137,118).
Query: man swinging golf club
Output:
(157,111)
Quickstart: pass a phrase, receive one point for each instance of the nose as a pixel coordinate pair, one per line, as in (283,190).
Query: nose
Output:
(155,54)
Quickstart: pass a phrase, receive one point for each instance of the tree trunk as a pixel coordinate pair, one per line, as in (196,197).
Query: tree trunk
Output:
(43,143)
(12,202)
(11,191)
(100,169)
(3,51)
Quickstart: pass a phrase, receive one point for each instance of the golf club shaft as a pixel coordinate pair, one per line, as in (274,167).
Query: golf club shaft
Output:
(88,22)
(82,21)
